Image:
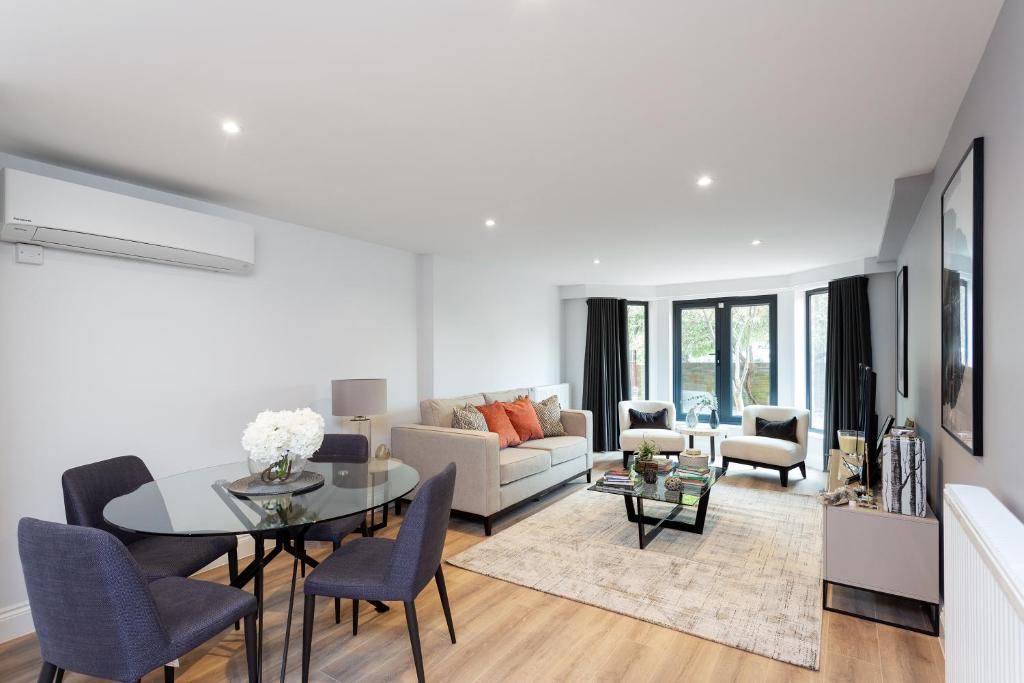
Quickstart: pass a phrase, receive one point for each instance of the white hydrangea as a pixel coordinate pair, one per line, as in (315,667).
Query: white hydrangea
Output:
(274,434)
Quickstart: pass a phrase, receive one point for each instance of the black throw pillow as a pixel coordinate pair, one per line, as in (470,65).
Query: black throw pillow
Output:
(781,429)
(641,420)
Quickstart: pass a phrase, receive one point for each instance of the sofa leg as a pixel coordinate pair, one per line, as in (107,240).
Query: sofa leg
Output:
(487,526)
(803,470)
(588,476)
(784,477)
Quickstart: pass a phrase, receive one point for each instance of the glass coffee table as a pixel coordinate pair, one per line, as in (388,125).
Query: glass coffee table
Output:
(691,505)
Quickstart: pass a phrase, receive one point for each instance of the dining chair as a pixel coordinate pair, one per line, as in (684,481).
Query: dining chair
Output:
(386,569)
(88,489)
(339,448)
(95,613)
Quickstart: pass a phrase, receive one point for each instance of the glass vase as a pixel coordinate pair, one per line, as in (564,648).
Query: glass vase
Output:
(282,471)
(691,418)
(713,420)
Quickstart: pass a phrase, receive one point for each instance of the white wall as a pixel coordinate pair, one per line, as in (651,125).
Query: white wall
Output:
(574,347)
(102,356)
(991,108)
(491,328)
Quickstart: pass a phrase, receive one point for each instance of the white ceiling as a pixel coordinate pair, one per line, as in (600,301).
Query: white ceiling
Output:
(580,125)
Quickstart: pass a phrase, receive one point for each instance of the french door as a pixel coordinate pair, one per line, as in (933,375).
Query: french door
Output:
(725,354)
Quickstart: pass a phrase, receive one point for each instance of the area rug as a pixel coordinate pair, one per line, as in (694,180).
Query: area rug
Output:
(751,581)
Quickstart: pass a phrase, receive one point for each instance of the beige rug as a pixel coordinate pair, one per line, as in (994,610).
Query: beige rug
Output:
(752,580)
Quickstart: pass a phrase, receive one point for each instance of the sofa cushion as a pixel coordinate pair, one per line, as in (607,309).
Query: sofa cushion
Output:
(666,439)
(468,417)
(776,429)
(507,396)
(518,463)
(562,448)
(762,449)
(549,414)
(524,419)
(498,422)
(437,412)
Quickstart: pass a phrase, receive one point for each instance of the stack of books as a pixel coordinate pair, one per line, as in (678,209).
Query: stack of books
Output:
(618,479)
(694,471)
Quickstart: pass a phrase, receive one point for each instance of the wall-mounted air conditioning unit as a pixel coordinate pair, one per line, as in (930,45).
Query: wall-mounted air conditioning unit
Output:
(63,215)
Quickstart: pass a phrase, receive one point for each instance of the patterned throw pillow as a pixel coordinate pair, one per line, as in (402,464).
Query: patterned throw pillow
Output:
(469,417)
(549,413)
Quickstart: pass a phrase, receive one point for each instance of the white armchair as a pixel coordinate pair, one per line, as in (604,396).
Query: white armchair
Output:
(667,440)
(762,451)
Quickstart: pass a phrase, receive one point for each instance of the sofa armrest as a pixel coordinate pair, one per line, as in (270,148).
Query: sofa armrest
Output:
(475,454)
(579,423)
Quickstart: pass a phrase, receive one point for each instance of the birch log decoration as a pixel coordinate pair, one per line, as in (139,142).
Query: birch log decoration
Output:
(904,485)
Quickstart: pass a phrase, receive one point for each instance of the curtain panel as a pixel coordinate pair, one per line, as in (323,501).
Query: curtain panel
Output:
(605,369)
(848,345)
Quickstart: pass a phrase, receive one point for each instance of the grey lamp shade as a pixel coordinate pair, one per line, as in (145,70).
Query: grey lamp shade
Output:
(359,397)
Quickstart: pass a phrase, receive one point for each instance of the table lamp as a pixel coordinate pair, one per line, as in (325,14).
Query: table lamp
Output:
(359,398)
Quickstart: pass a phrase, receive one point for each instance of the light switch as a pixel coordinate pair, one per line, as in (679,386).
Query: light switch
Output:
(28,253)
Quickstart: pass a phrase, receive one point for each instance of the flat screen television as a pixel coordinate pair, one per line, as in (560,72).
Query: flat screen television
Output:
(867,421)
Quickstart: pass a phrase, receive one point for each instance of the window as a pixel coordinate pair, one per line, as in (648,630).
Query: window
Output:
(637,345)
(725,355)
(817,341)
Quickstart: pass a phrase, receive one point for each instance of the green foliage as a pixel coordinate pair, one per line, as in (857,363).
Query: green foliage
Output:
(646,450)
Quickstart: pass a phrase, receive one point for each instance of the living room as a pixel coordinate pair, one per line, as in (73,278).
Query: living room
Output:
(399,341)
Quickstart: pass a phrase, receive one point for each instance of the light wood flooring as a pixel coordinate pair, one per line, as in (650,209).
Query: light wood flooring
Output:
(510,633)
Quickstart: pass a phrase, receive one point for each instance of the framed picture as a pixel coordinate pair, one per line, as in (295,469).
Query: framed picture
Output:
(961,296)
(901,331)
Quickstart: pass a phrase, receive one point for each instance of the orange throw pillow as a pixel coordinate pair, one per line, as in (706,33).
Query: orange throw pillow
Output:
(498,422)
(523,417)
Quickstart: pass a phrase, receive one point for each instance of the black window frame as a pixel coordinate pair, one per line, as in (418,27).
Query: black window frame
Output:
(647,345)
(807,354)
(723,333)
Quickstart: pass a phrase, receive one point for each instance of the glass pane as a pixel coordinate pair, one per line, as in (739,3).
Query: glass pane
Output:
(636,322)
(751,356)
(697,358)
(817,338)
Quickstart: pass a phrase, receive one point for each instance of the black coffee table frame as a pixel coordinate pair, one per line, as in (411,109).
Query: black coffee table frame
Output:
(658,523)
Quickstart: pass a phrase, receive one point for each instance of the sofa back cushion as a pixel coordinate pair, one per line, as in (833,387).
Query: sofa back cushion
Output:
(524,419)
(508,395)
(438,412)
(498,422)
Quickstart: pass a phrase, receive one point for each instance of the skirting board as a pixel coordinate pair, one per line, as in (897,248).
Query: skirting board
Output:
(16,619)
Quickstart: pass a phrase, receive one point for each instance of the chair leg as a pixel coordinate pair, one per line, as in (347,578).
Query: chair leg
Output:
(443,592)
(233,570)
(60,676)
(414,638)
(250,648)
(307,634)
(337,601)
(363,529)
(803,470)
(47,673)
(168,674)
(355,617)
(784,478)
(725,464)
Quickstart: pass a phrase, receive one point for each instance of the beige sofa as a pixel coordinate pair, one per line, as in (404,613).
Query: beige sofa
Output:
(492,480)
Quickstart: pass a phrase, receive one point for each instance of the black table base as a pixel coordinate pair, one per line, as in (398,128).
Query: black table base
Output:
(658,523)
(291,541)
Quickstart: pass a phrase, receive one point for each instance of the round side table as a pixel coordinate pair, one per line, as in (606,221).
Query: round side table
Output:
(702,430)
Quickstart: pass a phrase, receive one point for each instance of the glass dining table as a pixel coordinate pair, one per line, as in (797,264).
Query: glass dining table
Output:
(197,503)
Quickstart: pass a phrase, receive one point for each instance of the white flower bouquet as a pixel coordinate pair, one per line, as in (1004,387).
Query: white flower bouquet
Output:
(279,442)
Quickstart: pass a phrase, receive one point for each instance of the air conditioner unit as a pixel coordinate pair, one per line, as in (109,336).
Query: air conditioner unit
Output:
(63,215)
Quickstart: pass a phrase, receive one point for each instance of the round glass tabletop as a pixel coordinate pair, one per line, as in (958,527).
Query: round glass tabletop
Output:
(197,503)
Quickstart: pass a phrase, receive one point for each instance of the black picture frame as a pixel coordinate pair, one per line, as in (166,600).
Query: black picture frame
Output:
(902,366)
(960,291)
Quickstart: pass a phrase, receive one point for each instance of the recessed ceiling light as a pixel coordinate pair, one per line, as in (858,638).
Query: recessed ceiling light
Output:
(230,127)
(756,243)
(597,262)
(704,181)
(490,222)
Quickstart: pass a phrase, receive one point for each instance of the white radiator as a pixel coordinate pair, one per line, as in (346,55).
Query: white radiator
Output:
(984,577)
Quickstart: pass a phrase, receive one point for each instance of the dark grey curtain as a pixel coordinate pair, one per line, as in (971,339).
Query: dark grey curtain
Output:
(605,369)
(848,346)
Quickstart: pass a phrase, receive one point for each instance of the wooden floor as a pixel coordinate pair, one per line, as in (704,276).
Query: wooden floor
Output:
(509,633)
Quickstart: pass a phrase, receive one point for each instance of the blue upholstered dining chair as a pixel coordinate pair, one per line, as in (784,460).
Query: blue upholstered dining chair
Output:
(88,489)
(339,448)
(386,569)
(96,614)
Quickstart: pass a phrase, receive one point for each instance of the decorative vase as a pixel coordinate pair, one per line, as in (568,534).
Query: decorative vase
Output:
(713,420)
(286,469)
(691,418)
